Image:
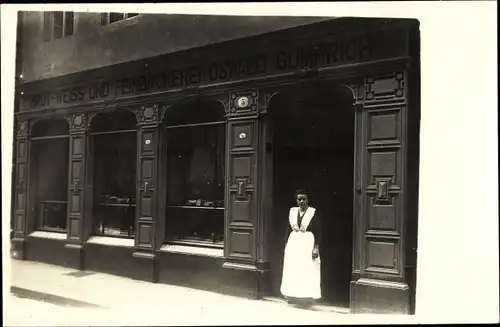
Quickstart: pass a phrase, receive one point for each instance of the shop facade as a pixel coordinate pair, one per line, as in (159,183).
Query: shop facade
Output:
(177,169)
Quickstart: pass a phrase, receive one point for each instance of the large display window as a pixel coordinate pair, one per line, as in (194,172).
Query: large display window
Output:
(114,149)
(49,174)
(195,136)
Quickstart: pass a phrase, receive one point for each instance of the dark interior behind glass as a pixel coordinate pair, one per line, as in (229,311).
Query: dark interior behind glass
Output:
(195,178)
(115,162)
(50,158)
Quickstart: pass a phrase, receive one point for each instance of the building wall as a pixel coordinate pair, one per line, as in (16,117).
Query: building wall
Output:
(93,45)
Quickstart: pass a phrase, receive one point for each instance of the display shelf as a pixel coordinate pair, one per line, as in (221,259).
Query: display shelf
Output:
(196,207)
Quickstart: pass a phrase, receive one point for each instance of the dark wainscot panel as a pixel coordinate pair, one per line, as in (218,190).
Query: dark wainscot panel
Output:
(116,260)
(205,273)
(50,251)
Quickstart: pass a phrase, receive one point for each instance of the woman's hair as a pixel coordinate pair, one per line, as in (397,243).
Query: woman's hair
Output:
(301,191)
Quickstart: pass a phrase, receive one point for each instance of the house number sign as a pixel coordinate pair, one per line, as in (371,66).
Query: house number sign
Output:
(243,102)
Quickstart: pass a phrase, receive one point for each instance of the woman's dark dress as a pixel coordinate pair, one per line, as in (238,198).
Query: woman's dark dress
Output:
(314,227)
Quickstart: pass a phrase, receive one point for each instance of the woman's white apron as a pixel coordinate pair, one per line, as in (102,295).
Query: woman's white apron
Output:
(301,273)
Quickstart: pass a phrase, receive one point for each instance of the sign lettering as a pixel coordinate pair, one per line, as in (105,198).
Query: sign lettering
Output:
(289,60)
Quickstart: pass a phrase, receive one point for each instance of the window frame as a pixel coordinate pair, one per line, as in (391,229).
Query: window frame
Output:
(185,240)
(49,25)
(39,219)
(128,206)
(106,17)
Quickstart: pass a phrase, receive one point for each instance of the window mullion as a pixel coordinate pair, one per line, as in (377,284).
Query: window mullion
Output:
(63,26)
(52,23)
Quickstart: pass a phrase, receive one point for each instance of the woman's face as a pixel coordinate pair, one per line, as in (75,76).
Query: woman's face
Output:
(302,201)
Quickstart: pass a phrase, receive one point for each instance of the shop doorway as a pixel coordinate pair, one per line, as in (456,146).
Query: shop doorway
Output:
(314,149)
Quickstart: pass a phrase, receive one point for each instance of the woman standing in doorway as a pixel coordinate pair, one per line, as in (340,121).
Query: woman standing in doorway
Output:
(301,282)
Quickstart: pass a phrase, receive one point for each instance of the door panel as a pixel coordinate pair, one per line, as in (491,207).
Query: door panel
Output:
(379,216)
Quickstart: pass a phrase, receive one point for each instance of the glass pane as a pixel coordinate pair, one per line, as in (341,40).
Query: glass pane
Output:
(196,183)
(196,165)
(116,121)
(58,24)
(196,225)
(50,127)
(131,15)
(47,25)
(50,180)
(115,183)
(69,22)
(194,112)
(114,17)
(104,18)
(53,215)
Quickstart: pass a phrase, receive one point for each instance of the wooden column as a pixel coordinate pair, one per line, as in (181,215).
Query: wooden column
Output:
(76,188)
(379,283)
(265,175)
(20,209)
(241,235)
(247,208)
(147,189)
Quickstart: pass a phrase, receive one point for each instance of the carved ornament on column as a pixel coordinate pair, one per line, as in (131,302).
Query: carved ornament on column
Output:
(77,122)
(76,187)
(163,111)
(148,114)
(265,97)
(223,99)
(382,190)
(245,103)
(383,87)
(23,128)
(21,186)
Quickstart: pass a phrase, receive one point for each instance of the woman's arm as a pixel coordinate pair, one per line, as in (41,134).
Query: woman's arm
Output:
(316,229)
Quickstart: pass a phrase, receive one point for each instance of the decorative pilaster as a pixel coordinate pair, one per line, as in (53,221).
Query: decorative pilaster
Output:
(77,163)
(245,235)
(148,118)
(21,194)
(78,139)
(265,178)
(379,255)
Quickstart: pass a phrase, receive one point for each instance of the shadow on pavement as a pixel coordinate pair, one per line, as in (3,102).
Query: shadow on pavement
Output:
(50,298)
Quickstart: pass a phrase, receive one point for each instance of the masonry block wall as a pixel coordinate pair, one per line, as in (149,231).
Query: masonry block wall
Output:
(93,45)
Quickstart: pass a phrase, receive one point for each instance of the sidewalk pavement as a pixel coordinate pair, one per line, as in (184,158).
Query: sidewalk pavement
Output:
(90,299)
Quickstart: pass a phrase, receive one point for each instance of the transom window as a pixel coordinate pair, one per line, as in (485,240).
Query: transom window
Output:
(57,24)
(49,174)
(113,17)
(114,148)
(195,147)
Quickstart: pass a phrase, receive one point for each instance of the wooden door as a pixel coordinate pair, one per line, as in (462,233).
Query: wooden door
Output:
(378,281)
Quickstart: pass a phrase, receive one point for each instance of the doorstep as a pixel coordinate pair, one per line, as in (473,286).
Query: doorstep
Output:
(315,307)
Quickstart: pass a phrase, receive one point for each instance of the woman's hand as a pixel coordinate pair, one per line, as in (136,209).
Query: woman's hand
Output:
(295,228)
(303,229)
(315,252)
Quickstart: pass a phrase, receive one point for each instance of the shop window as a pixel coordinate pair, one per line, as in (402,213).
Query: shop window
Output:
(195,145)
(49,174)
(113,17)
(57,24)
(114,150)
